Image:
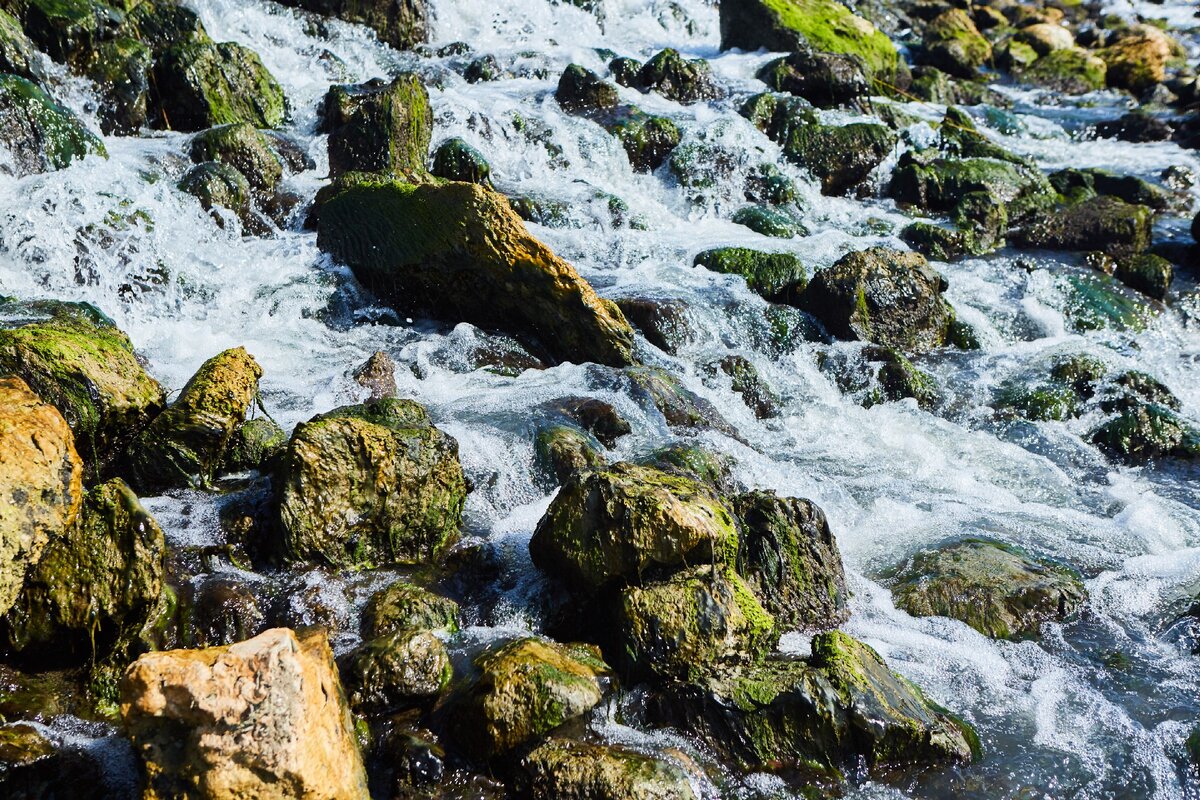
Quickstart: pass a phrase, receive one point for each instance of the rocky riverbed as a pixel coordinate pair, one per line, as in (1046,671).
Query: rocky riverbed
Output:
(599,399)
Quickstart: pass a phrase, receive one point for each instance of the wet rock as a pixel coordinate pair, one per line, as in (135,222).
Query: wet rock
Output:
(403,24)
(396,670)
(1045,37)
(778,277)
(1147,273)
(420,246)
(621,522)
(77,360)
(597,417)
(38,134)
(244,720)
(404,605)
(940,184)
(766,184)
(746,381)
(69,30)
(121,69)
(563,769)
(243,147)
(679,406)
(1077,185)
(200,84)
(582,91)
(1146,432)
(32,768)
(1072,71)
(378,127)
(483,69)
(841,157)
(647,139)
(953,44)
(455,160)
(1097,301)
(377,374)
(827,80)
(1136,126)
(819,715)
(563,450)
(694,463)
(163,25)
(677,78)
(254,444)
(18,55)
(882,296)
(664,323)
(218,185)
(790,560)
(625,71)
(823,25)
(185,444)
(769,221)
(1137,57)
(41,482)
(880,374)
(223,610)
(1101,223)
(368,485)
(524,689)
(97,584)
(996,589)
(934,241)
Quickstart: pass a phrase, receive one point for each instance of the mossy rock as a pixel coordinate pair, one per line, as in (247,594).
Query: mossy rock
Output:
(647,139)
(1147,273)
(745,380)
(769,221)
(1101,223)
(827,80)
(581,91)
(879,374)
(1079,185)
(564,769)
(379,126)
(623,522)
(953,43)
(562,450)
(678,78)
(1096,301)
(246,149)
(882,296)
(163,25)
(1044,402)
(200,84)
(369,485)
(396,671)
(680,407)
(218,185)
(122,71)
(419,246)
(524,689)
(1071,71)
(823,25)
(77,360)
(96,586)
(455,160)
(1147,432)
(940,184)
(841,157)
(18,55)
(959,137)
(693,462)
(1137,58)
(254,444)
(790,559)
(39,134)
(403,24)
(186,444)
(934,241)
(996,589)
(404,605)
(70,31)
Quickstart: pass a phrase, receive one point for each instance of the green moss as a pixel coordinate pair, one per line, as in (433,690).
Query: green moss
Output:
(775,276)
(769,221)
(379,127)
(243,147)
(1094,302)
(199,84)
(829,26)
(1072,70)
(43,134)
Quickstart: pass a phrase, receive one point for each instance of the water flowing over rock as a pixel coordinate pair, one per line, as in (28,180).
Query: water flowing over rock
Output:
(39,134)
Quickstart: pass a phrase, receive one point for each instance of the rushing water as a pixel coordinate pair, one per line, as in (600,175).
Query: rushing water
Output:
(1059,718)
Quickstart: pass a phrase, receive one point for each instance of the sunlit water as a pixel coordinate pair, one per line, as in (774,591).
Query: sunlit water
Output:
(1055,719)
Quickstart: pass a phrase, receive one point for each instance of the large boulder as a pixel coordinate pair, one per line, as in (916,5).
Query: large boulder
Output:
(69,30)
(121,71)
(883,296)
(616,524)
(36,133)
(260,718)
(1101,223)
(397,670)
(403,24)
(41,482)
(77,360)
(96,586)
(1137,57)
(997,590)
(406,605)
(201,83)
(831,713)
(953,44)
(460,252)
(370,484)
(185,445)
(379,127)
(564,769)
(824,25)
(790,559)
(524,689)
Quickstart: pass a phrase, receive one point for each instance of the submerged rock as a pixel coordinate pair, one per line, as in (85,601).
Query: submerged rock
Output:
(677,78)
(1146,432)
(563,769)
(369,485)
(379,127)
(41,482)
(679,406)
(461,252)
(201,83)
(246,149)
(218,185)
(244,720)
(38,134)
(996,589)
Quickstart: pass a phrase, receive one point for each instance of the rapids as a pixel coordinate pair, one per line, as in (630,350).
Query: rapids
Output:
(1098,708)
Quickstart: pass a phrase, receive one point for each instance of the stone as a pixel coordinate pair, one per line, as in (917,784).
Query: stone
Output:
(564,769)
(38,134)
(679,406)
(648,140)
(246,149)
(841,157)
(254,444)
(378,375)
(779,277)
(1147,273)
(121,69)
(262,718)
(582,91)
(405,605)
(768,221)
(745,380)
(18,55)
(185,444)
(940,184)
(563,450)
(459,251)
(199,84)
(396,670)
(1045,37)
(677,78)
(222,610)
(996,589)
(1137,57)
(827,80)
(1136,126)
(664,323)
(32,767)
(403,24)
(379,127)
(1072,70)
(882,296)
(955,45)
(41,482)
(69,30)
(218,185)
(1147,432)
(1101,223)
(455,160)
(369,485)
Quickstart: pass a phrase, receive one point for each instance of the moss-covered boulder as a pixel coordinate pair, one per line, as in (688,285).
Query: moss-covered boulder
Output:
(1072,70)
(38,134)
(647,139)
(379,126)
(623,522)
(460,252)
(996,589)
(746,381)
(254,444)
(370,484)
(96,586)
(403,24)
(41,482)
(396,670)
(455,160)
(1137,57)
(69,30)
(163,25)
(18,55)
(201,83)
(1102,223)
(939,184)
(952,43)
(827,80)
(221,186)
(768,221)
(824,25)
(790,559)
(564,769)
(246,149)
(774,276)
(562,450)
(878,374)
(882,296)
(524,689)
(823,716)
(1146,432)
(841,157)
(185,444)
(121,70)
(77,360)
(404,605)
(680,406)
(581,91)
(678,78)
(1147,273)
